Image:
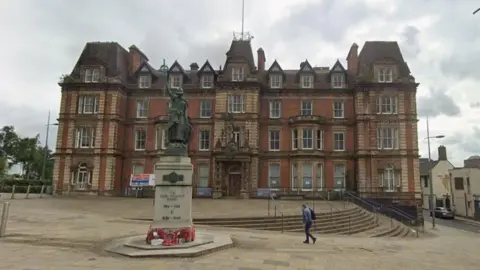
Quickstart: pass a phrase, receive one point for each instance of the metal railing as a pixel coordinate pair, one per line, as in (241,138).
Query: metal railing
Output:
(272,200)
(391,213)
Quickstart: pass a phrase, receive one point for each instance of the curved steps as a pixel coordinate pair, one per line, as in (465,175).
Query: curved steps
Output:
(349,221)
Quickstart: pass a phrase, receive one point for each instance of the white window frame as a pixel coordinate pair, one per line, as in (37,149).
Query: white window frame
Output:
(85,137)
(319,139)
(388,179)
(307,177)
(387,104)
(160,136)
(385,75)
(306,81)
(338,109)
(204,138)
(276,81)
(96,75)
(207,81)
(88,75)
(236,136)
(387,138)
(88,104)
(295,139)
(236,103)
(176,81)
(338,80)
(205,109)
(142,108)
(294,177)
(144,81)
(319,176)
(137,135)
(203,178)
(274,140)
(336,139)
(307,138)
(306,108)
(275,109)
(237,74)
(274,176)
(344,180)
(83,173)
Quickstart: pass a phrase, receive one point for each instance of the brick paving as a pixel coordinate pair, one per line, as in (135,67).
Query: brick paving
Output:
(69,234)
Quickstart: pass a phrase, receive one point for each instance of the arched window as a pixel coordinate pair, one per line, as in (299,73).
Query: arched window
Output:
(82,177)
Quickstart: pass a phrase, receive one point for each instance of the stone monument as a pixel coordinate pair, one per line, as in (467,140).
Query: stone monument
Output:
(172,232)
(172,219)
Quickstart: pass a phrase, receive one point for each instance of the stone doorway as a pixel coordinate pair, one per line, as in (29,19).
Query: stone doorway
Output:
(234,180)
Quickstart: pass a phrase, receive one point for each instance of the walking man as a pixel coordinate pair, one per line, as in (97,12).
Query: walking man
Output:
(307,221)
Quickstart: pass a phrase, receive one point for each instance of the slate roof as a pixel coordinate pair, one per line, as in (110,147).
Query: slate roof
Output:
(426,166)
(374,51)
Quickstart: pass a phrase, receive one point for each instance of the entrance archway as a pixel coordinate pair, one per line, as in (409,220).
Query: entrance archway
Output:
(234,182)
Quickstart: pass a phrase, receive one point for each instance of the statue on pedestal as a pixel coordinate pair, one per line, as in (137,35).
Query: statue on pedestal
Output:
(179,129)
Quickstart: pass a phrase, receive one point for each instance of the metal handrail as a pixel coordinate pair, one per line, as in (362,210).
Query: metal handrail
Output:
(275,210)
(331,212)
(411,220)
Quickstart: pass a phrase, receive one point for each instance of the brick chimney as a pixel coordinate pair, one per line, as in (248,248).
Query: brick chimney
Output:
(135,59)
(352,60)
(194,66)
(261,59)
(442,153)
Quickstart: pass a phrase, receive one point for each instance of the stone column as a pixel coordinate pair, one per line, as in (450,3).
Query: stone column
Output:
(217,183)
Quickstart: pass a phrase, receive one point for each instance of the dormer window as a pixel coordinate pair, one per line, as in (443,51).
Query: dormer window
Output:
(385,75)
(237,74)
(175,81)
(144,81)
(276,81)
(338,80)
(306,81)
(207,81)
(92,75)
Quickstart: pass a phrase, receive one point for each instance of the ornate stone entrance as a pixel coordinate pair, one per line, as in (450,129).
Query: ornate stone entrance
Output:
(234,181)
(231,179)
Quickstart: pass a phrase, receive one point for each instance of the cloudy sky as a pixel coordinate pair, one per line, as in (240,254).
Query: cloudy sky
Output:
(440,40)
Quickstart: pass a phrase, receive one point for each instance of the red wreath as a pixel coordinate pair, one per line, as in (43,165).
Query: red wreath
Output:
(170,238)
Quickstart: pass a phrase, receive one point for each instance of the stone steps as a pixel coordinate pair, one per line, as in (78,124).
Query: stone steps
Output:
(349,221)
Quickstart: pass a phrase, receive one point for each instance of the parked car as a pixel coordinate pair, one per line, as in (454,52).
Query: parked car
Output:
(443,212)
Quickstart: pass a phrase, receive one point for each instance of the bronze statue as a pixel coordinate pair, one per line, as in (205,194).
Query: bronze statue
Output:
(179,129)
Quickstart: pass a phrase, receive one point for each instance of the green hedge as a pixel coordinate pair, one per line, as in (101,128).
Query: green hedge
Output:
(21,185)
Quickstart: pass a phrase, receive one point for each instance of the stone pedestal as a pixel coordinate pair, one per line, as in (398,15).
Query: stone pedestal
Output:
(172,218)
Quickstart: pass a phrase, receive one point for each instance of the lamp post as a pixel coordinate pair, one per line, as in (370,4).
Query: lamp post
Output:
(430,182)
(45,155)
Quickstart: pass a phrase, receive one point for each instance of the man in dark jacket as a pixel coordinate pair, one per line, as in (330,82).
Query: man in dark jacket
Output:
(307,220)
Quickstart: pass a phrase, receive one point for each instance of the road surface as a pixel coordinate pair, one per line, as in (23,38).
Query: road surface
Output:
(471,226)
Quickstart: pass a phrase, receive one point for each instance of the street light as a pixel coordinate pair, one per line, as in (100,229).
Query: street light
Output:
(45,155)
(430,182)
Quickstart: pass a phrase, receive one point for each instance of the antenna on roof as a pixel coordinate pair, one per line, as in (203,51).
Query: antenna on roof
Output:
(242,35)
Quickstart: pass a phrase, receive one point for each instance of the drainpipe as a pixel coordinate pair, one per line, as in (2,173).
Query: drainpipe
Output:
(125,115)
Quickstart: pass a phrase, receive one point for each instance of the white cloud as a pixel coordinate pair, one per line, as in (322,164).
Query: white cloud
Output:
(43,39)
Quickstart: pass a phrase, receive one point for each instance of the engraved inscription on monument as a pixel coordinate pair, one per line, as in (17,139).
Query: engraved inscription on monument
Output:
(173,205)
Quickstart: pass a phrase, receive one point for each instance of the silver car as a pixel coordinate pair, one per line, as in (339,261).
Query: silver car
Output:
(442,212)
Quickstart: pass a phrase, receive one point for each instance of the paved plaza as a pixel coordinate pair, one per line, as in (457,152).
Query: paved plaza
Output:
(69,233)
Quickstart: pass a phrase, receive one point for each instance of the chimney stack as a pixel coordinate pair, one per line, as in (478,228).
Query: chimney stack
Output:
(194,66)
(442,153)
(352,60)
(134,59)
(261,59)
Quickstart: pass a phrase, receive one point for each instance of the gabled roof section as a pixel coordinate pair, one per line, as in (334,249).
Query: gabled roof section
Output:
(338,68)
(176,68)
(110,55)
(241,49)
(146,68)
(275,67)
(305,67)
(374,51)
(426,165)
(207,68)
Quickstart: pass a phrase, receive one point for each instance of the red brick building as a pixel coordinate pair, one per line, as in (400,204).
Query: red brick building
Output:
(256,128)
